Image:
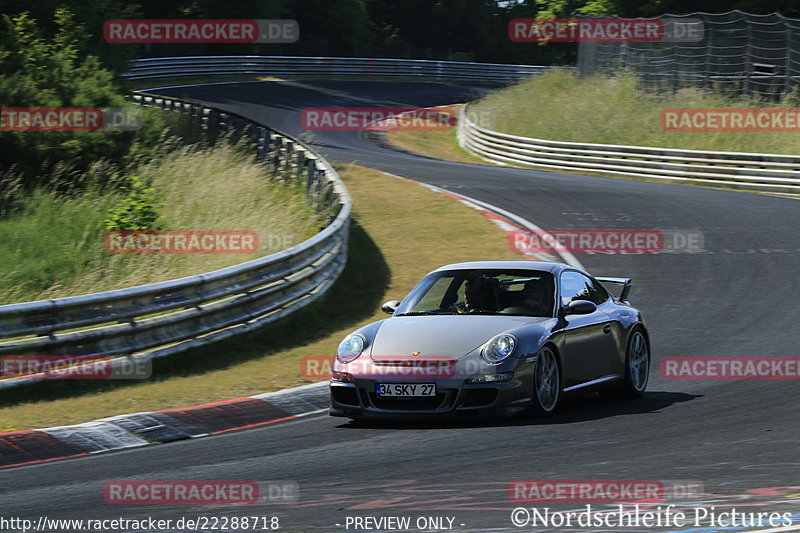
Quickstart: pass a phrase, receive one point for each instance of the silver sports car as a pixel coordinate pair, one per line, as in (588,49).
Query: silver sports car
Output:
(493,337)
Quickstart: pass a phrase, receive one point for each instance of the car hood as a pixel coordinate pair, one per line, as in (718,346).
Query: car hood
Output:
(442,336)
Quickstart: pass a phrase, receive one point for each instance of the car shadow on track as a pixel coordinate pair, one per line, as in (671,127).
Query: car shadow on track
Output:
(572,410)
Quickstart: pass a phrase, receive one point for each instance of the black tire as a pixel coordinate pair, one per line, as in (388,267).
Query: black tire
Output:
(632,385)
(637,364)
(546,382)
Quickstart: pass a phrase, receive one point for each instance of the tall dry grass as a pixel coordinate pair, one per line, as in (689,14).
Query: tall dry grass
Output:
(53,242)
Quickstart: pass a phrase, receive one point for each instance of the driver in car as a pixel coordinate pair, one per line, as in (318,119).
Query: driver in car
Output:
(533,297)
(481,295)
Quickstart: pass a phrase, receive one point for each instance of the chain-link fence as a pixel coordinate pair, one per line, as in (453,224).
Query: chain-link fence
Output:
(739,53)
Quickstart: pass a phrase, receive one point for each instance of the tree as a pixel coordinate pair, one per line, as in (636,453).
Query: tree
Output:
(90,15)
(49,72)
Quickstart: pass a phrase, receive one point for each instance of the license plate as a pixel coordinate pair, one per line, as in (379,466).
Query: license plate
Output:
(405,390)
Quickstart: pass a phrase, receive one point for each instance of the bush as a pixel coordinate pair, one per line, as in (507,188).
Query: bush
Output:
(137,210)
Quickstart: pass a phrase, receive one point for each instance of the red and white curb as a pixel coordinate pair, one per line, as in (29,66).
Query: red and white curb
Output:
(19,448)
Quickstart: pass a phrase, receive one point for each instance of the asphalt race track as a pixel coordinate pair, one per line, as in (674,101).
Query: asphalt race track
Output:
(740,296)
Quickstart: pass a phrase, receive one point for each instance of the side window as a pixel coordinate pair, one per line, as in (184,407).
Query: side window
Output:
(597,293)
(573,287)
(576,286)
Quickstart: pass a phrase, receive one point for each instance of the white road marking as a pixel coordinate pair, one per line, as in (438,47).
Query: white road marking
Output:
(527,224)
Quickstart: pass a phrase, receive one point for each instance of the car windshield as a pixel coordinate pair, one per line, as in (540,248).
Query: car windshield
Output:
(482,291)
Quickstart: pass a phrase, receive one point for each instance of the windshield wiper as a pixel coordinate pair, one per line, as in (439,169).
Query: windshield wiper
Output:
(419,313)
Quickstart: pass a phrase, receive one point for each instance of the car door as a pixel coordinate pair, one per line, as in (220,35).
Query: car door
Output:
(612,344)
(589,343)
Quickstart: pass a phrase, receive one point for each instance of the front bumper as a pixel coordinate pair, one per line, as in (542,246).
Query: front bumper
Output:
(454,398)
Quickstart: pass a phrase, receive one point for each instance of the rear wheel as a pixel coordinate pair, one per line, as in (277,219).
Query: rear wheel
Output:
(637,365)
(637,368)
(546,382)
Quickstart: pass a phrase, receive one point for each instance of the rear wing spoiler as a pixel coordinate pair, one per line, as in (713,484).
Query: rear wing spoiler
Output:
(626,286)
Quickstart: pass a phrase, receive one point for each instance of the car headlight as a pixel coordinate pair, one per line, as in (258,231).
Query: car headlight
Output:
(350,348)
(499,348)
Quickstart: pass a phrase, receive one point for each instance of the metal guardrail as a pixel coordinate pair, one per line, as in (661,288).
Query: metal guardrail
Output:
(139,323)
(751,171)
(290,66)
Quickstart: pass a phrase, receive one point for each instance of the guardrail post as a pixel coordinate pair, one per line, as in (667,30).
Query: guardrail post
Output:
(283,158)
(277,155)
(300,163)
(224,123)
(213,129)
(315,175)
(196,113)
(310,168)
(263,144)
(293,161)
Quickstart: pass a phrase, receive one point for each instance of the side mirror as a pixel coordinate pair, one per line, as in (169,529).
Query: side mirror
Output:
(390,307)
(580,307)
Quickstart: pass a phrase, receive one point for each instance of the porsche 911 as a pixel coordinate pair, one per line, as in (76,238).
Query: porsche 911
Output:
(493,338)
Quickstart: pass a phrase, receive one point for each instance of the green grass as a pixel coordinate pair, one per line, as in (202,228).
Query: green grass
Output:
(50,242)
(383,264)
(442,144)
(560,106)
(54,244)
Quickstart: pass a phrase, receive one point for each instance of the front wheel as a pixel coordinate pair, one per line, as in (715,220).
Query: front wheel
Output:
(546,382)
